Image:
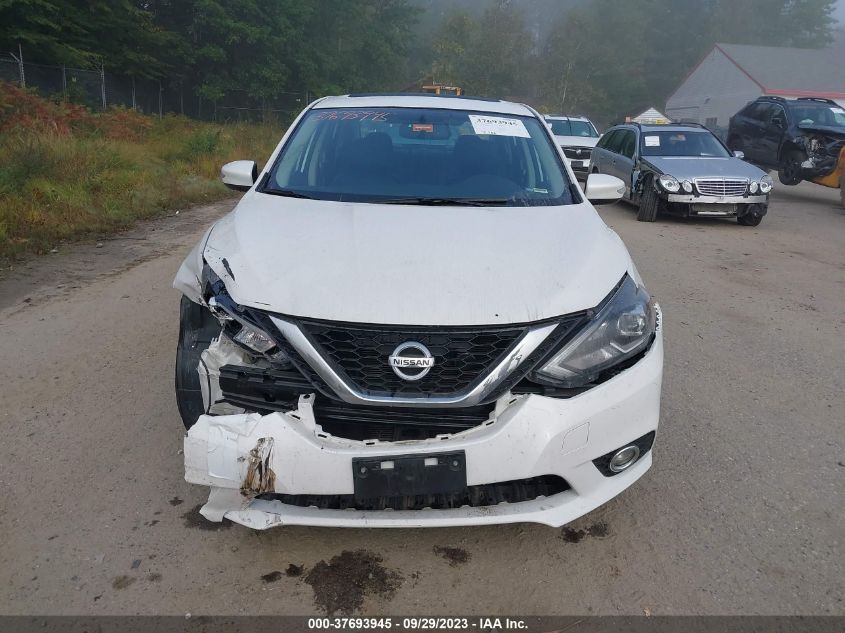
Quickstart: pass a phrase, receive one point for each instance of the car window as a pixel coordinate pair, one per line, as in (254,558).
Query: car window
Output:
(355,154)
(605,139)
(583,128)
(759,112)
(560,127)
(819,114)
(777,112)
(614,143)
(682,143)
(628,144)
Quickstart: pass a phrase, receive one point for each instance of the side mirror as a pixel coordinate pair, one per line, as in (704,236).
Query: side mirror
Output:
(739,154)
(239,175)
(604,189)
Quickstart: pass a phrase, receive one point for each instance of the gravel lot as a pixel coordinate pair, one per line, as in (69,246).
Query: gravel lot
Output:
(742,512)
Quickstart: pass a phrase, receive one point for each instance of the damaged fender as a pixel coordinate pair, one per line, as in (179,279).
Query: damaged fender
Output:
(188,279)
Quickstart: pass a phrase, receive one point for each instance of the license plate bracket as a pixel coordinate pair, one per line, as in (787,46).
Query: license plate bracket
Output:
(409,475)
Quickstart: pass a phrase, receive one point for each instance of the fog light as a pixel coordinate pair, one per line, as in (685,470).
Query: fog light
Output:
(624,458)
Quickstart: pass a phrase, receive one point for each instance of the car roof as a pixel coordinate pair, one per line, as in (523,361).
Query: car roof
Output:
(667,127)
(423,100)
(564,117)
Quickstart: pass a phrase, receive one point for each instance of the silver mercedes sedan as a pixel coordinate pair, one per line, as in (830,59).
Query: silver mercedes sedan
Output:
(682,170)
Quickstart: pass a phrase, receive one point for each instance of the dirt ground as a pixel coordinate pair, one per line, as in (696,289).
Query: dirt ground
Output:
(741,513)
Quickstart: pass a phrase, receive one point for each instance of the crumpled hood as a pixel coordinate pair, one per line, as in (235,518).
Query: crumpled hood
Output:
(393,264)
(829,130)
(576,141)
(682,167)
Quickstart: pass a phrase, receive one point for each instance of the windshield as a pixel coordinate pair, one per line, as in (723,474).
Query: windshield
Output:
(818,114)
(561,127)
(421,156)
(682,143)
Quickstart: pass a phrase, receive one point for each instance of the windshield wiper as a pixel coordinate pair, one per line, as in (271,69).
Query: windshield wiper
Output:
(288,193)
(445,202)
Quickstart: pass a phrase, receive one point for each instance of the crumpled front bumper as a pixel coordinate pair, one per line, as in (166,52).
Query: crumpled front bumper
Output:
(241,456)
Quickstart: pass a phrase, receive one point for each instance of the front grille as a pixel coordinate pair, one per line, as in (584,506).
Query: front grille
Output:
(480,496)
(578,153)
(721,186)
(395,424)
(461,355)
(264,390)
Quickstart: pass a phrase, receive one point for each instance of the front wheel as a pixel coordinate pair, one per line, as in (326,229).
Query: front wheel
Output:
(790,172)
(753,215)
(649,203)
(197,329)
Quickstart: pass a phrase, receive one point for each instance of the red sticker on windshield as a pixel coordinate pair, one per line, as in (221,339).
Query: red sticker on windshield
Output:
(422,127)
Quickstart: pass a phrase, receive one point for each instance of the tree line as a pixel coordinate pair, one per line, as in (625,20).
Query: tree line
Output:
(605,58)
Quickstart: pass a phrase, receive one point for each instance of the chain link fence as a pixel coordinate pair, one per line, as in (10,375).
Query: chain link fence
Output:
(100,90)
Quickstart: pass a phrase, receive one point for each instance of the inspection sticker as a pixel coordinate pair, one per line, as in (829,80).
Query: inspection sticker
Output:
(652,141)
(498,126)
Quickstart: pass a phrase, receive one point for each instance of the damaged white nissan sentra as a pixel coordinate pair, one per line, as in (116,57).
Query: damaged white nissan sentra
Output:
(414,317)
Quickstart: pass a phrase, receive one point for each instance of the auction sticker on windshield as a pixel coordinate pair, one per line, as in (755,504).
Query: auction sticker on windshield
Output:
(498,126)
(652,141)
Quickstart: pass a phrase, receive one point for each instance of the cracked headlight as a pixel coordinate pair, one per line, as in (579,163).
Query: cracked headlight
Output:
(766,184)
(622,329)
(669,183)
(255,339)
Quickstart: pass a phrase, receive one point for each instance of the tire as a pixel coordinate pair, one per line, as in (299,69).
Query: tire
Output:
(790,172)
(649,203)
(753,216)
(197,328)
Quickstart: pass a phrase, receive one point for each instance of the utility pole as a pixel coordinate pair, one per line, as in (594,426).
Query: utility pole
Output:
(103,83)
(19,58)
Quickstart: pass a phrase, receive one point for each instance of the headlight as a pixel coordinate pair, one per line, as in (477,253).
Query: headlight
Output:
(255,339)
(753,187)
(622,329)
(687,186)
(766,184)
(670,183)
(231,316)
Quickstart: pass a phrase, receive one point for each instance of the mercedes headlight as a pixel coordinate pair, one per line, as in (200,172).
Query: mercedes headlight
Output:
(766,184)
(687,186)
(753,187)
(622,329)
(670,183)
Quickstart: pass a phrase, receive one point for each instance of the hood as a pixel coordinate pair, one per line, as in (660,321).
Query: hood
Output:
(576,141)
(415,265)
(683,167)
(831,130)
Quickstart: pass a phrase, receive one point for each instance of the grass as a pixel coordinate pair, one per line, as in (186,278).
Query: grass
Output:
(66,173)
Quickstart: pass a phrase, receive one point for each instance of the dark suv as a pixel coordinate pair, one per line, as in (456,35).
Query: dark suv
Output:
(800,138)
